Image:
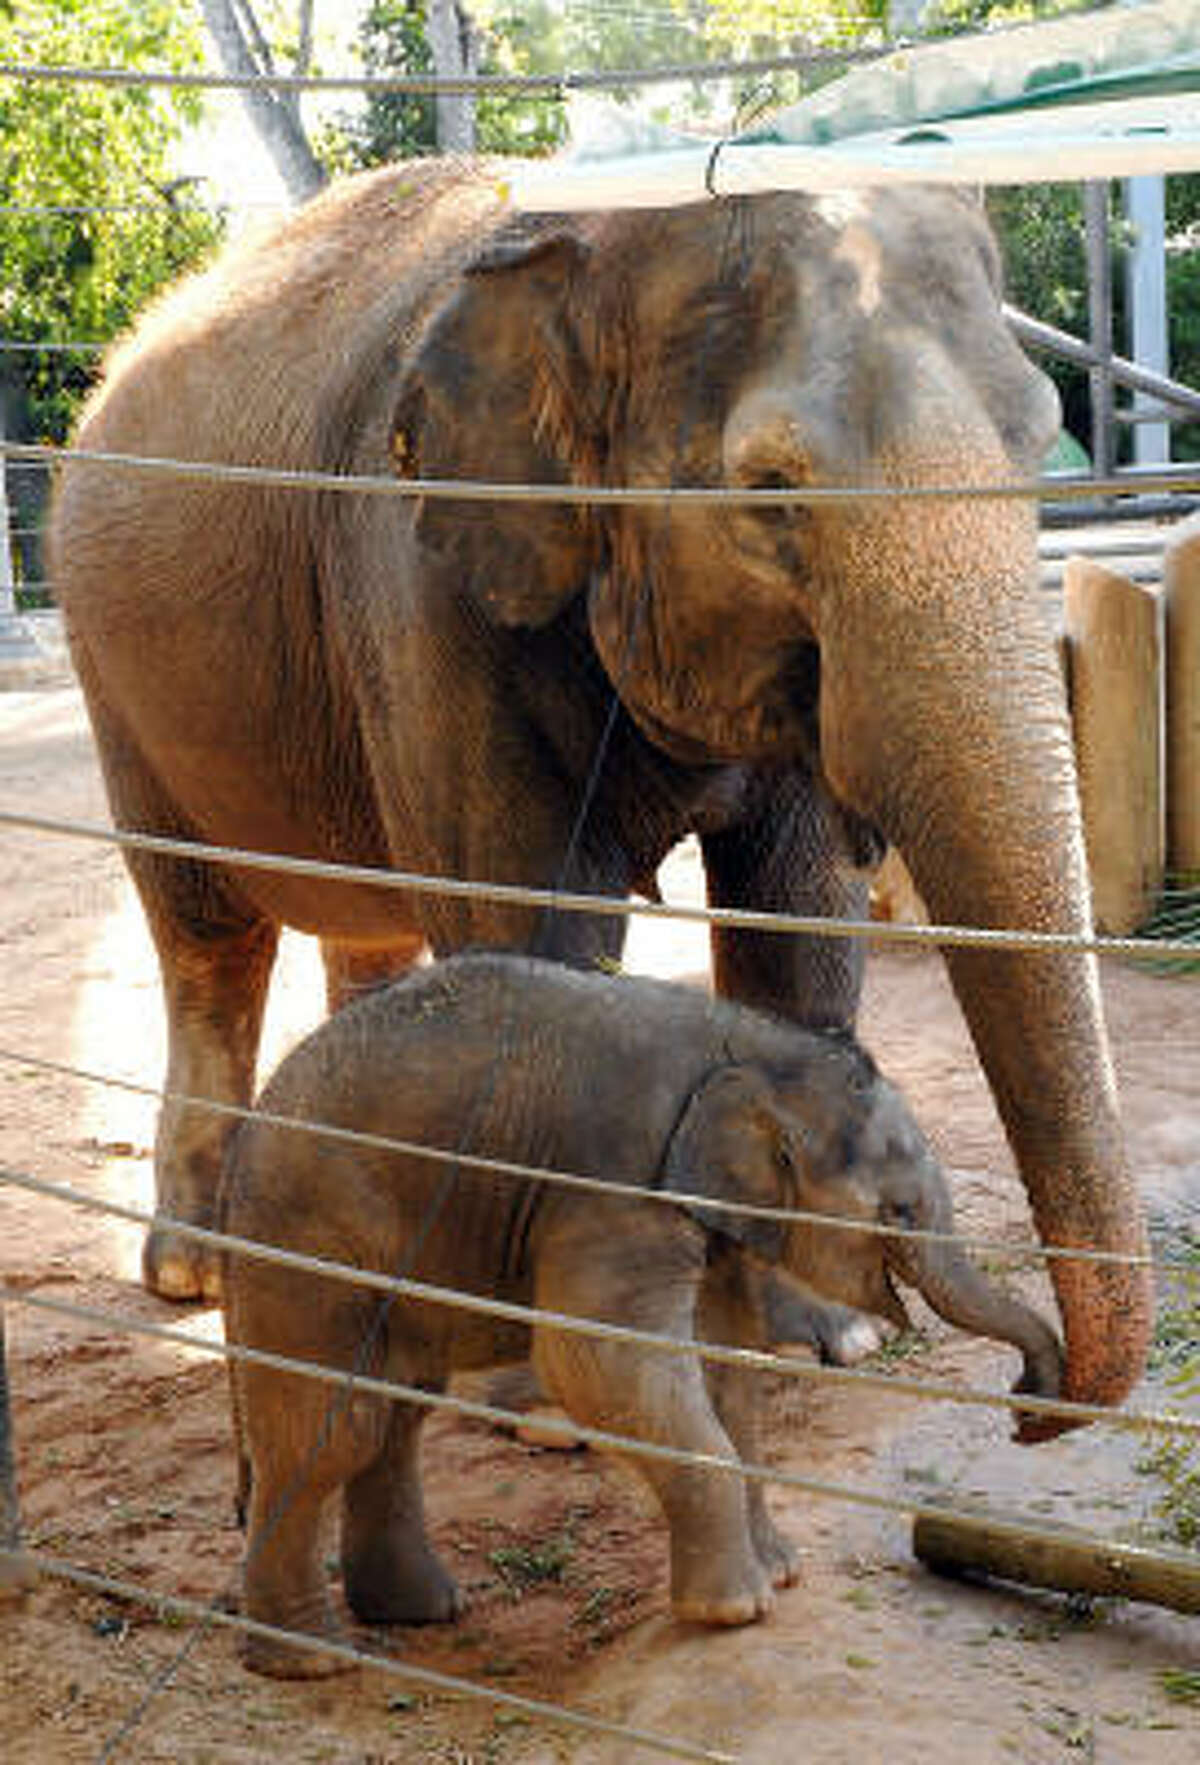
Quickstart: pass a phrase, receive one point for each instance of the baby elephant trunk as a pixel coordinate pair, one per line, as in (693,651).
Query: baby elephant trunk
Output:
(959,1293)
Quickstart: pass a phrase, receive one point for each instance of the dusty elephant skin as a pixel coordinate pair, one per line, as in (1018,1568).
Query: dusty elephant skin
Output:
(622,1081)
(427,682)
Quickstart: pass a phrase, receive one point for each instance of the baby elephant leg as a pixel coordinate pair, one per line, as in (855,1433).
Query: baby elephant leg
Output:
(303,1441)
(733,1311)
(392,1574)
(636,1264)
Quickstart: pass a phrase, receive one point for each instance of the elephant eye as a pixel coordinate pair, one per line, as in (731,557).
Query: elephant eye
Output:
(898,1213)
(773,514)
(785,1156)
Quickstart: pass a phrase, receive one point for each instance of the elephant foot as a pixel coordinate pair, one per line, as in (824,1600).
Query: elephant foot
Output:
(276,1659)
(383,1587)
(779,1557)
(177,1268)
(739,1596)
(839,1336)
(725,1610)
(852,1340)
(18,1575)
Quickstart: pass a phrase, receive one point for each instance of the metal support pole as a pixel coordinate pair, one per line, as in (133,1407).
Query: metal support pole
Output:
(16,1575)
(19,651)
(1100,315)
(1146,283)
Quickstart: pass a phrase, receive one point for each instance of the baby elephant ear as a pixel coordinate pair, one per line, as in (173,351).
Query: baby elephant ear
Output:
(490,396)
(730,1147)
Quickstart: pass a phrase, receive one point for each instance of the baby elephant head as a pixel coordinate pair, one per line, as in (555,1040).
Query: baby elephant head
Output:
(830,1136)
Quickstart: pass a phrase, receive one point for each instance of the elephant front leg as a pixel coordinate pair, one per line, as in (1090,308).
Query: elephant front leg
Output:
(392,1573)
(643,1266)
(734,1310)
(795,851)
(215,990)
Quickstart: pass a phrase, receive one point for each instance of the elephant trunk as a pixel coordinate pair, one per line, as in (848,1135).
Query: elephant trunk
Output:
(957,1291)
(943,719)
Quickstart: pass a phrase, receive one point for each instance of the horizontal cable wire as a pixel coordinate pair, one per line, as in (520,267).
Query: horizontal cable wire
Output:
(133,1593)
(518,895)
(1054,488)
(473,1161)
(721,1354)
(71,1572)
(61,1569)
(814,57)
(169,207)
(632,1446)
(18,346)
(548,84)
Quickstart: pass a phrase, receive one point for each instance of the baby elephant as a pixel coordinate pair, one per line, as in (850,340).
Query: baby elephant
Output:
(628,1082)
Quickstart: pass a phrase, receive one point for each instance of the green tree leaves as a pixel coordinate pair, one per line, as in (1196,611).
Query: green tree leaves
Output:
(90,222)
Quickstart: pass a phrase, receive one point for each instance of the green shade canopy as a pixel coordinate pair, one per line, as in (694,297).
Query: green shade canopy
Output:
(1114,93)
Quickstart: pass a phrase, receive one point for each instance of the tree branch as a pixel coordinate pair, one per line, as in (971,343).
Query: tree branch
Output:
(277,123)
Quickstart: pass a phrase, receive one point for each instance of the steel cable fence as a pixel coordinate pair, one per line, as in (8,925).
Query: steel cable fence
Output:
(746,1359)
(209,1616)
(559,84)
(553,900)
(547,901)
(667,496)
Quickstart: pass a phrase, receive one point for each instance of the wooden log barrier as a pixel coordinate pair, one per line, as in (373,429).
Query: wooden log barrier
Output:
(964,1545)
(1112,645)
(1181,601)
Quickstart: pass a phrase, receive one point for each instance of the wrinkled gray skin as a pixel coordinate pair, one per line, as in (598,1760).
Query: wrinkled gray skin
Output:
(427,683)
(624,1081)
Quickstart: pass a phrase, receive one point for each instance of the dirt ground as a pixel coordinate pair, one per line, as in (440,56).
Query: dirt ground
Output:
(126,1467)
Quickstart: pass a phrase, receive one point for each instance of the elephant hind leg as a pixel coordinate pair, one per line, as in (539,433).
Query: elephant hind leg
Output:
(391,1572)
(304,1441)
(215,951)
(215,988)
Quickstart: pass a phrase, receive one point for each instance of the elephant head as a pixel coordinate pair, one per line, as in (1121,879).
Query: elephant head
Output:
(833,1138)
(896,643)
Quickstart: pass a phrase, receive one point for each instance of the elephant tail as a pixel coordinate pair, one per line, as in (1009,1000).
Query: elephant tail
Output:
(242,1472)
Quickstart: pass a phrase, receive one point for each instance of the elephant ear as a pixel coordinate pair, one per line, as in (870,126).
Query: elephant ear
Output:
(494,393)
(731,1145)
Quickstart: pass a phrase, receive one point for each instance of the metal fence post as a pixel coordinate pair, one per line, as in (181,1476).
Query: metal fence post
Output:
(1100,316)
(19,650)
(1146,283)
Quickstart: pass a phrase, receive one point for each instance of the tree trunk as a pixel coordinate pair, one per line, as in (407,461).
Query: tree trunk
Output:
(455,50)
(275,114)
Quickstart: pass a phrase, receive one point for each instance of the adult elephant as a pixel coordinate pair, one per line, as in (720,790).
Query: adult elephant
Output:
(430,683)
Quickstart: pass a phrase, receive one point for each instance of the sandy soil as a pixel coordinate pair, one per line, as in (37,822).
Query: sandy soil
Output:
(126,1466)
